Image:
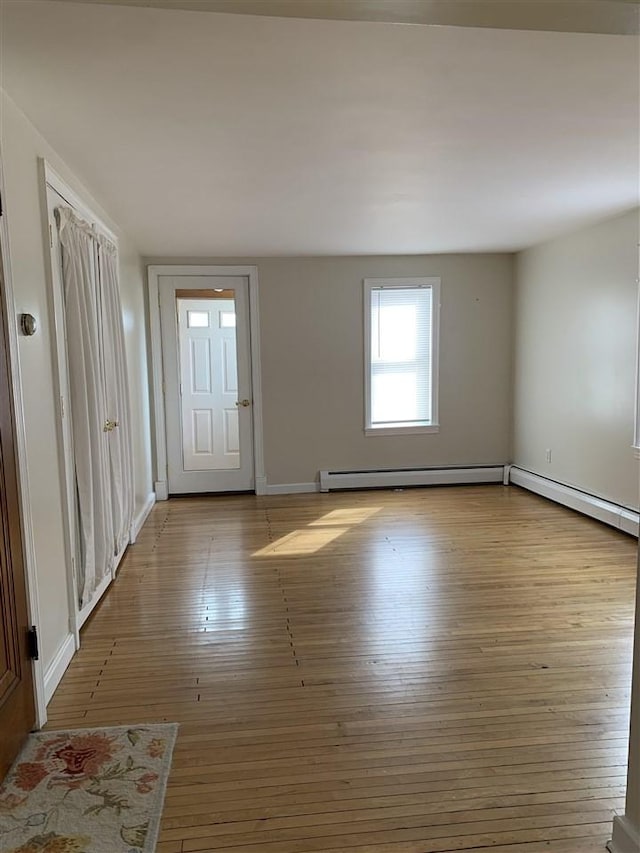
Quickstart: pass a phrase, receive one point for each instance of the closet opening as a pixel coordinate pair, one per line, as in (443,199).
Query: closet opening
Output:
(94,429)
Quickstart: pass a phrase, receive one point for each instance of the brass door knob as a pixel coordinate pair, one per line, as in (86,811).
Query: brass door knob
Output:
(243,403)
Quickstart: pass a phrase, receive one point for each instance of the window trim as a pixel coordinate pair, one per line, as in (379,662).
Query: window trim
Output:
(371,284)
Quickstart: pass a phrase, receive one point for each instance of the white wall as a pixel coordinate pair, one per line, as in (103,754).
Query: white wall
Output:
(575,359)
(311,326)
(21,146)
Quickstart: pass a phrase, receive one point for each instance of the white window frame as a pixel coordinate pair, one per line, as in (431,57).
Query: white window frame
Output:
(371,284)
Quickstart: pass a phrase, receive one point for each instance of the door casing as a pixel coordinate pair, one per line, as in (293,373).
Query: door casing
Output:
(182,479)
(56,190)
(155,271)
(17,701)
(20,438)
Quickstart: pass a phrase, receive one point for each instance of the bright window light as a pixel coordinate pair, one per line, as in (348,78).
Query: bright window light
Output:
(197,319)
(401,325)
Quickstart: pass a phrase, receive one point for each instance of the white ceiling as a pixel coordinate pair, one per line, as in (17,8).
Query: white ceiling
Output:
(209,134)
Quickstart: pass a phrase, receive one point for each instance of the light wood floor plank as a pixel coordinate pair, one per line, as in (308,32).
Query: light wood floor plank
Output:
(436,670)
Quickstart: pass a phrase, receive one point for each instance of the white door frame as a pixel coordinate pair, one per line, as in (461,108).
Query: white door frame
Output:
(50,179)
(28,541)
(161,484)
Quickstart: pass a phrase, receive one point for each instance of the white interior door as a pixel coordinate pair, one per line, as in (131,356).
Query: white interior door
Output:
(207,372)
(209,384)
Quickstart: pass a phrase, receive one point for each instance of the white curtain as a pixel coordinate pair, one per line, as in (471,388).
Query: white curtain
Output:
(99,399)
(95,526)
(117,395)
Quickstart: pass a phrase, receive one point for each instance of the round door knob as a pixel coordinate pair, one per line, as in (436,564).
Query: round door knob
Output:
(243,403)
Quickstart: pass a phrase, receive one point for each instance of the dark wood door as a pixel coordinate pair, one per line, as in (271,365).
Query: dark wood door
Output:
(17,710)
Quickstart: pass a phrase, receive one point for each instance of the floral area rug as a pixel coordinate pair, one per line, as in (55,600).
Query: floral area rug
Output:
(87,791)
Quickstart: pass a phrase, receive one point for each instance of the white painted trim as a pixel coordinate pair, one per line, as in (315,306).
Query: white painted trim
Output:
(138,522)
(55,298)
(414,477)
(626,836)
(292,488)
(21,452)
(369,284)
(50,180)
(615,515)
(256,378)
(629,521)
(250,272)
(86,611)
(118,560)
(53,179)
(398,430)
(58,666)
(162,490)
(159,419)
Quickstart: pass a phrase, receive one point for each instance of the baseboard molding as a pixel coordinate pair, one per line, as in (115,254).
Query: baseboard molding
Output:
(56,669)
(444,476)
(292,488)
(161,490)
(138,522)
(261,486)
(617,516)
(87,610)
(626,836)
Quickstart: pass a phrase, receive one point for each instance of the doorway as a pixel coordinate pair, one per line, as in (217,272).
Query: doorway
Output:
(94,414)
(206,380)
(17,708)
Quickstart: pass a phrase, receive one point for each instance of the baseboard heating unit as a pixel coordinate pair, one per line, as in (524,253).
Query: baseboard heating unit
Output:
(617,516)
(380,479)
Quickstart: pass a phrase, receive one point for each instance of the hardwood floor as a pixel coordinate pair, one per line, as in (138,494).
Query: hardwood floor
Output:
(395,672)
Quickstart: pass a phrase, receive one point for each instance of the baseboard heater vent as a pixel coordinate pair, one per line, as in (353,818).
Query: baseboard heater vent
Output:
(613,514)
(380,479)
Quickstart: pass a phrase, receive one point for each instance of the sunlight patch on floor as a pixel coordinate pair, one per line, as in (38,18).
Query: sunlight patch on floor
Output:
(311,539)
(349,515)
(301,542)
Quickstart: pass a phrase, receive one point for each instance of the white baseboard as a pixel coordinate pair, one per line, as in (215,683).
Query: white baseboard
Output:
(161,489)
(445,476)
(56,669)
(626,836)
(617,516)
(103,586)
(292,488)
(261,486)
(139,520)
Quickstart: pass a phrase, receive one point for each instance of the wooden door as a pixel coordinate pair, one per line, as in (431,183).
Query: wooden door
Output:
(17,709)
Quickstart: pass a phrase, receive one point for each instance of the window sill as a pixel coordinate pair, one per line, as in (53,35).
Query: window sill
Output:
(408,430)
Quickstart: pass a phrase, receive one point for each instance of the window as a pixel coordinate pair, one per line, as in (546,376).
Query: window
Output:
(227,319)
(401,355)
(197,319)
